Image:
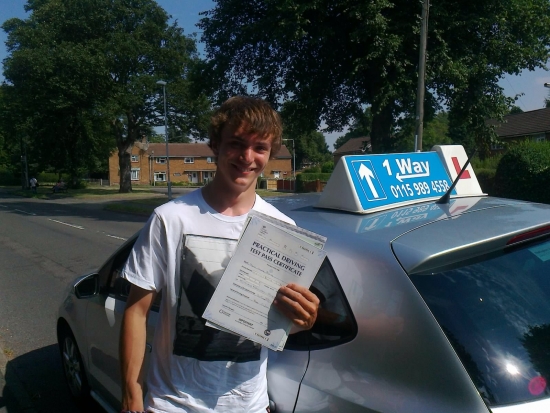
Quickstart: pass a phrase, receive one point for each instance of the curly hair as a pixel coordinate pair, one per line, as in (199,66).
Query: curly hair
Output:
(256,113)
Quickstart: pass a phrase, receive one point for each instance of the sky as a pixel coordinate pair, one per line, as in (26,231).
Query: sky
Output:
(186,12)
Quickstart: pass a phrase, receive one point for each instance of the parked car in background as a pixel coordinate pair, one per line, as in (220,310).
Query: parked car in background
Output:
(442,307)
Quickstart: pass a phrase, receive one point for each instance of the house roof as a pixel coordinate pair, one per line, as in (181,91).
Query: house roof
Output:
(523,124)
(195,150)
(354,145)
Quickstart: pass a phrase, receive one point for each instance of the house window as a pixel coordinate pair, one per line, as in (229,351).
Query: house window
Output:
(135,174)
(160,176)
(539,138)
(134,158)
(276,174)
(188,160)
(210,159)
(161,159)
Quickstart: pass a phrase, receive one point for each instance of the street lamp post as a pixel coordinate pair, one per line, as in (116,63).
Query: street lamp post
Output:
(421,78)
(163,84)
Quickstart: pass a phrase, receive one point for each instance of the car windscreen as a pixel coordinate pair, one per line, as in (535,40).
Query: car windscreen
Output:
(495,312)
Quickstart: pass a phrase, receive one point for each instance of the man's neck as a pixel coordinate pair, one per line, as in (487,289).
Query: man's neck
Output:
(227,202)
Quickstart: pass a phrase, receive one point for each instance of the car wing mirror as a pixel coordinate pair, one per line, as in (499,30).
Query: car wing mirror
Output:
(87,286)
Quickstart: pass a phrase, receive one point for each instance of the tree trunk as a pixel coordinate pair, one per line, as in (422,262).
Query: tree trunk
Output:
(125,143)
(382,120)
(125,166)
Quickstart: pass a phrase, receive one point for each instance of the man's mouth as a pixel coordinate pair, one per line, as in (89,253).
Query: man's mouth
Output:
(244,169)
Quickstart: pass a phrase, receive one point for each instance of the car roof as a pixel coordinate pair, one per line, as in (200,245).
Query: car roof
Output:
(425,235)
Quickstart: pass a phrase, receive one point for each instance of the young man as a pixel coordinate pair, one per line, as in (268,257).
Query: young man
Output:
(183,251)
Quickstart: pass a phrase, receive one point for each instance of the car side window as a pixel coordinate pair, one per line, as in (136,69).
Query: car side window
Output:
(116,262)
(118,286)
(335,323)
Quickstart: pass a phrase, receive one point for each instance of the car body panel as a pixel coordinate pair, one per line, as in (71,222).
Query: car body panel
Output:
(445,241)
(400,360)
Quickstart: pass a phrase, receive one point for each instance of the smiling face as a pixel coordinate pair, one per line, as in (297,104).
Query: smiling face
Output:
(242,156)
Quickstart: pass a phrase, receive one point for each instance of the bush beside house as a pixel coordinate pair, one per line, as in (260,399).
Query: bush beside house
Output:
(303,180)
(524,173)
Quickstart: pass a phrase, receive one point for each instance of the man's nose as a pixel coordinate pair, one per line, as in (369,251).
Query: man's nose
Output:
(247,154)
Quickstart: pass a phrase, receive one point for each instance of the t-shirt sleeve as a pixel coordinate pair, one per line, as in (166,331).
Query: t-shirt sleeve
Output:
(146,263)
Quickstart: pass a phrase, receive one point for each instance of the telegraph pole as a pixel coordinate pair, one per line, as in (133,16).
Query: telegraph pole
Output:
(421,77)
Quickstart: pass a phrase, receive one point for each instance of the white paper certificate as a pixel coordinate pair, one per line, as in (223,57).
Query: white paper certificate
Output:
(265,259)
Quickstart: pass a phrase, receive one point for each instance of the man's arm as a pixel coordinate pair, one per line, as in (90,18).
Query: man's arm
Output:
(132,346)
(299,304)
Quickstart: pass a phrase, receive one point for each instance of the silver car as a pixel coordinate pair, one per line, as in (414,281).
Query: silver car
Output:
(441,308)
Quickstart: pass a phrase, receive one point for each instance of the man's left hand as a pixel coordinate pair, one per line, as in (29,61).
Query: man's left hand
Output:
(298,304)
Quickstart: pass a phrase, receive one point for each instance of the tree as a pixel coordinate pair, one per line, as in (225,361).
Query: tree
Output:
(360,127)
(98,62)
(310,145)
(335,56)
(55,85)
(436,132)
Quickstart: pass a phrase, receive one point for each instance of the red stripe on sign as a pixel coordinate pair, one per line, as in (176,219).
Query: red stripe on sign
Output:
(466,174)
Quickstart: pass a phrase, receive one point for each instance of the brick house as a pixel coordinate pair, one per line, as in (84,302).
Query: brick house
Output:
(533,125)
(355,146)
(189,162)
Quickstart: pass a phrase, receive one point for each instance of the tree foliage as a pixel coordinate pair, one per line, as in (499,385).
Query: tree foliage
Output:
(310,145)
(360,127)
(436,132)
(84,74)
(336,56)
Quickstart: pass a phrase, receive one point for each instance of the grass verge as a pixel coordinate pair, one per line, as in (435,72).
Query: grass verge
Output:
(146,206)
(100,192)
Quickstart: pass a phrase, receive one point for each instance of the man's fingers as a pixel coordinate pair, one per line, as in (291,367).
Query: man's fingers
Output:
(298,304)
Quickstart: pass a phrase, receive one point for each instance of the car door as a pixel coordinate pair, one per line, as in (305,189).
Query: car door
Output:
(286,370)
(103,322)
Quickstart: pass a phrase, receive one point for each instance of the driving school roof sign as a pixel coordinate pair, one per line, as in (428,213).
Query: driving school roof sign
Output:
(370,183)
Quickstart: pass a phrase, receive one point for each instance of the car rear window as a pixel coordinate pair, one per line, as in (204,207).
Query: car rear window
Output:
(496,314)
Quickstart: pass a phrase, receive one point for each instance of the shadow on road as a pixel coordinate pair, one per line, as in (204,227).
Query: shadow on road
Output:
(35,382)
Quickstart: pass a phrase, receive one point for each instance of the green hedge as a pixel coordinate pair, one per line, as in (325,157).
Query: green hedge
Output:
(8,178)
(308,177)
(313,176)
(486,179)
(50,178)
(524,172)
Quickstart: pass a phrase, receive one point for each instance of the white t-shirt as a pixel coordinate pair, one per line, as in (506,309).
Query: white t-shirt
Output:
(183,251)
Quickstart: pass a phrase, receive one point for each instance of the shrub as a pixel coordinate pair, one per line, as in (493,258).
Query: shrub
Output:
(312,170)
(50,178)
(487,163)
(306,177)
(327,167)
(9,178)
(523,172)
(486,178)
